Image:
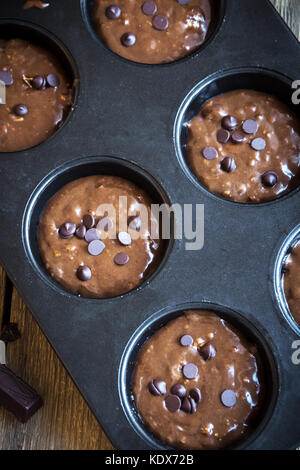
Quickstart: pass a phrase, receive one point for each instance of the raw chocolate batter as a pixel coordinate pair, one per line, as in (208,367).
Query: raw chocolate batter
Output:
(153,32)
(197,383)
(245,146)
(38,95)
(292,282)
(75,239)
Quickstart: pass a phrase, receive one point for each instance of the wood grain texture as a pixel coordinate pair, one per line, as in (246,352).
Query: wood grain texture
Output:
(65,421)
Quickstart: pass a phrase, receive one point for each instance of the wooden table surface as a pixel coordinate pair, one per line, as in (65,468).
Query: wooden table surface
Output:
(65,421)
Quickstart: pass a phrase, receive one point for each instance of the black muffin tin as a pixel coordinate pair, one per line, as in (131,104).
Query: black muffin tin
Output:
(129,120)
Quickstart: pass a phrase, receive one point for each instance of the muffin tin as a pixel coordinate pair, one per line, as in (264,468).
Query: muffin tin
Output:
(130,120)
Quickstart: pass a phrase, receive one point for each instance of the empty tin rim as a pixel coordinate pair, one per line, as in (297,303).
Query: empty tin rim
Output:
(278,278)
(35,34)
(255,78)
(158,320)
(71,171)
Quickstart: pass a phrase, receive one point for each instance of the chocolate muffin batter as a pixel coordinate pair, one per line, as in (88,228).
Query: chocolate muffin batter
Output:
(197,382)
(85,250)
(153,32)
(38,95)
(245,146)
(292,282)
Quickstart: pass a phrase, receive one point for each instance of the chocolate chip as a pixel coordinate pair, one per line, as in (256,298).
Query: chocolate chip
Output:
(157,387)
(250,126)
(113,12)
(228,398)
(80,231)
(96,247)
(238,138)
(67,230)
(229,122)
(223,136)
(88,220)
(84,273)
(135,223)
(269,179)
(179,390)
(186,340)
(189,405)
(173,403)
(195,394)
(160,22)
(6,78)
(38,82)
(92,234)
(105,224)
(10,333)
(258,144)
(190,371)
(121,259)
(228,164)
(124,238)
(207,351)
(20,109)
(210,153)
(183,2)
(52,80)
(149,8)
(128,39)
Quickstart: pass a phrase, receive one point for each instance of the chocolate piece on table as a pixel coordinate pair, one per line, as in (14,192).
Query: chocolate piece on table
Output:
(17,396)
(173,403)
(10,332)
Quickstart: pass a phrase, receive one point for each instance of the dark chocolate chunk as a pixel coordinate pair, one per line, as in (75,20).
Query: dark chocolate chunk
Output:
(179,390)
(80,231)
(228,164)
(128,39)
(238,138)
(250,126)
(190,371)
(186,340)
(84,273)
(38,82)
(17,396)
(223,136)
(135,223)
(189,405)
(160,22)
(52,80)
(124,238)
(228,398)
(157,387)
(105,224)
(258,144)
(6,78)
(207,351)
(88,220)
(173,403)
(96,247)
(121,259)
(92,234)
(10,332)
(229,122)
(20,109)
(210,153)
(113,12)
(149,8)
(195,394)
(269,179)
(67,230)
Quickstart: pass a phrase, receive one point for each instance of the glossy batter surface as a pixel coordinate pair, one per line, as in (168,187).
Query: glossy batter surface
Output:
(47,107)
(278,130)
(187,28)
(292,282)
(63,257)
(233,367)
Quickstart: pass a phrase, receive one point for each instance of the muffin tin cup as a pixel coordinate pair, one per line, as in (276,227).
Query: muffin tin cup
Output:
(129,111)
